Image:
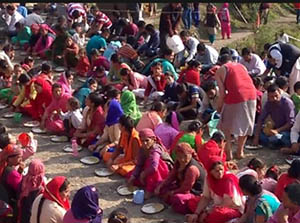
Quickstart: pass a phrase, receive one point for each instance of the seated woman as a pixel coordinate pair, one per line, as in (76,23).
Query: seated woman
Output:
(46,73)
(93,120)
(23,36)
(70,53)
(53,203)
(156,83)
(83,65)
(51,119)
(289,210)
(115,68)
(27,93)
(124,158)
(185,180)
(292,176)
(222,188)
(168,130)
(82,93)
(35,35)
(27,64)
(96,61)
(66,80)
(111,133)
(11,174)
(256,167)
(150,169)
(191,74)
(129,106)
(32,185)
(192,137)
(58,46)
(135,82)
(42,100)
(44,42)
(214,147)
(151,119)
(85,207)
(260,205)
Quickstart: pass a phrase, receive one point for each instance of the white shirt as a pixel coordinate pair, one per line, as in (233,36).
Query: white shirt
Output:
(191,47)
(16,17)
(295,129)
(256,66)
(74,116)
(284,38)
(79,40)
(33,18)
(210,57)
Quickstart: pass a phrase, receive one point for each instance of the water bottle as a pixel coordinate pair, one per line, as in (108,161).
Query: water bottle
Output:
(74,147)
(138,196)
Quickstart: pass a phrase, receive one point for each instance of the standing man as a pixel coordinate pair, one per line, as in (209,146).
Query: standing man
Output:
(169,22)
(297,7)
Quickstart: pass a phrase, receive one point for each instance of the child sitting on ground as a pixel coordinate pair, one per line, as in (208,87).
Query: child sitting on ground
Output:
(28,63)
(83,64)
(270,181)
(255,167)
(79,35)
(72,118)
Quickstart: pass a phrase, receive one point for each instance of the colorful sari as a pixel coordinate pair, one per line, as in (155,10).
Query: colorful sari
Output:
(63,81)
(55,123)
(25,96)
(130,108)
(44,42)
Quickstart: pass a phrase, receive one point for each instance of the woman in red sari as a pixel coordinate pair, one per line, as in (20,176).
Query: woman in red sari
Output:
(42,100)
(93,120)
(223,189)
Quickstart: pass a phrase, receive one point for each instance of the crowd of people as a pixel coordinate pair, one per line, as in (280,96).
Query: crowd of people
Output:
(126,64)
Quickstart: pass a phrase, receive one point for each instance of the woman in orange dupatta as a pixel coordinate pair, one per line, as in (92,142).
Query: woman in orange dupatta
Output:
(129,143)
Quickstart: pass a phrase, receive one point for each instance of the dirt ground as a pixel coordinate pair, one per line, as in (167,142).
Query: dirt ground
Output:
(58,162)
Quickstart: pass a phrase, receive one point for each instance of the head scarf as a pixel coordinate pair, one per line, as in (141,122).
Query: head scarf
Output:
(225,5)
(63,81)
(226,185)
(34,179)
(35,27)
(9,151)
(185,148)
(46,27)
(114,112)
(130,108)
(52,192)
(85,205)
(148,133)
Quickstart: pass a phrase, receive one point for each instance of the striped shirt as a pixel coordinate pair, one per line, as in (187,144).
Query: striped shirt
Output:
(73,7)
(103,19)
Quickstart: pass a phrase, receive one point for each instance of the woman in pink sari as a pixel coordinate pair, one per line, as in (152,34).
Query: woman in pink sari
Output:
(150,169)
(44,42)
(66,80)
(51,119)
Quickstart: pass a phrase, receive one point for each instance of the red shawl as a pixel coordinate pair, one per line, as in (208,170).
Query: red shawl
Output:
(223,186)
(52,192)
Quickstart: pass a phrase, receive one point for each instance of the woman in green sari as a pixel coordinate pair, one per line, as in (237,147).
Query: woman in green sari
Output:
(129,106)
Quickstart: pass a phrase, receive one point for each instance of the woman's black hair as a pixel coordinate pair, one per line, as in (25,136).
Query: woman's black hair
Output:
(119,215)
(257,81)
(8,47)
(127,122)
(282,82)
(294,170)
(209,85)
(96,99)
(256,163)
(250,184)
(24,78)
(92,81)
(28,59)
(56,85)
(115,58)
(124,72)
(64,186)
(195,126)
(180,88)
(158,106)
(297,86)
(218,137)
(113,93)
(4,140)
(68,74)
(95,52)
(169,118)
(4,65)
(2,128)
(100,69)
(217,163)
(46,68)
(273,172)
(194,63)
